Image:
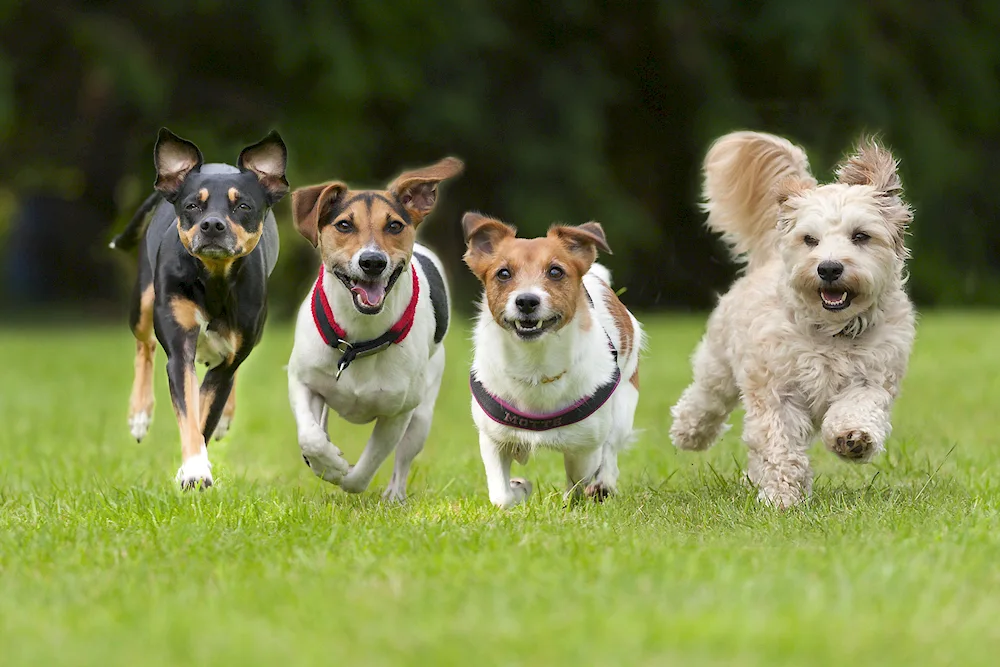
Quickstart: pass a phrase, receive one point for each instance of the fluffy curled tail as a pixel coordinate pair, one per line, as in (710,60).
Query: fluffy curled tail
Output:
(136,227)
(742,172)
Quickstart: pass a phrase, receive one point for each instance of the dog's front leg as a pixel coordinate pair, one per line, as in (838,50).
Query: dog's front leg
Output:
(384,438)
(582,469)
(309,408)
(778,432)
(504,491)
(195,470)
(857,424)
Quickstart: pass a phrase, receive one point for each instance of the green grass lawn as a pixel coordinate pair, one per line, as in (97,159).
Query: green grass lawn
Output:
(104,562)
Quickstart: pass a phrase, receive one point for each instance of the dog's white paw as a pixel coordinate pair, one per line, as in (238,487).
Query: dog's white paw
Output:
(222,429)
(323,458)
(138,424)
(196,472)
(520,489)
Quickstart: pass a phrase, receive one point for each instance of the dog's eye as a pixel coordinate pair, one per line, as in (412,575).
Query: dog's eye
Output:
(811,241)
(394,227)
(343,226)
(192,206)
(244,207)
(860,237)
(504,275)
(556,273)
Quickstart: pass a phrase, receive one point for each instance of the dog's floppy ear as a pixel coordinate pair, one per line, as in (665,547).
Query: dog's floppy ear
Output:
(267,159)
(482,234)
(311,203)
(174,159)
(416,190)
(872,164)
(583,241)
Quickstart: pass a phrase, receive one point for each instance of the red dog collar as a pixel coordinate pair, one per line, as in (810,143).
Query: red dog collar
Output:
(335,336)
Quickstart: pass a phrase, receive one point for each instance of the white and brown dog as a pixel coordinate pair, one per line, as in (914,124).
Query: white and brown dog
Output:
(556,356)
(368,340)
(816,336)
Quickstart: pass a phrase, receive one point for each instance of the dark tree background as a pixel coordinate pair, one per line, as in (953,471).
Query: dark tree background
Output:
(563,111)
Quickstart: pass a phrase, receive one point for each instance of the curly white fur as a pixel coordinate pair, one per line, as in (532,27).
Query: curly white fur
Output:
(773,341)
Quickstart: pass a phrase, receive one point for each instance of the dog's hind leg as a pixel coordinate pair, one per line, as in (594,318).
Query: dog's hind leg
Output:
(140,405)
(583,468)
(228,412)
(385,436)
(701,413)
(416,432)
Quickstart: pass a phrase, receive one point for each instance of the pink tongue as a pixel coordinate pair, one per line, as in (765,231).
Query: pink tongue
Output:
(371,293)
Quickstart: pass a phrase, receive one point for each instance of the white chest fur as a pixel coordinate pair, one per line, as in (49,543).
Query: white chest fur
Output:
(213,348)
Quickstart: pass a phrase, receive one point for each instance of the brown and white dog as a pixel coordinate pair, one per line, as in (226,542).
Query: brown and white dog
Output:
(368,340)
(556,356)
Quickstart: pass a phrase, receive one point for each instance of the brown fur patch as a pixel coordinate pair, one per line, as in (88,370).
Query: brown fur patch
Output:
(229,410)
(370,215)
(416,190)
(141,399)
(186,235)
(235,343)
(203,195)
(144,325)
(234,195)
(245,241)
(189,420)
(185,312)
(619,313)
(635,378)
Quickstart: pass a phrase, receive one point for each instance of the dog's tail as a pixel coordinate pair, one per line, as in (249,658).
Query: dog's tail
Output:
(742,172)
(129,237)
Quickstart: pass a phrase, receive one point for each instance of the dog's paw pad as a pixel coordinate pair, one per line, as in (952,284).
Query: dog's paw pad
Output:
(598,491)
(222,429)
(138,425)
(195,473)
(853,445)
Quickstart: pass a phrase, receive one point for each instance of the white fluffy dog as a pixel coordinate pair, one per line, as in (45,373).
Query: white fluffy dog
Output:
(816,335)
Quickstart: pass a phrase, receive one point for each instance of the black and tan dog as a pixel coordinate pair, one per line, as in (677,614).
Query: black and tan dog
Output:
(204,262)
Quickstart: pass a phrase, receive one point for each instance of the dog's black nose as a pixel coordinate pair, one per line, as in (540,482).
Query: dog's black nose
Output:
(213,226)
(527,303)
(373,263)
(830,270)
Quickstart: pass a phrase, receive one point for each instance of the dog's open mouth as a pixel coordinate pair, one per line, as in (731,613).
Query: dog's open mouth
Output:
(529,329)
(369,295)
(835,298)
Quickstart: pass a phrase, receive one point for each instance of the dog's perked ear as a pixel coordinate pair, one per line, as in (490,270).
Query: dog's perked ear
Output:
(174,159)
(583,241)
(416,190)
(267,159)
(872,164)
(311,203)
(482,234)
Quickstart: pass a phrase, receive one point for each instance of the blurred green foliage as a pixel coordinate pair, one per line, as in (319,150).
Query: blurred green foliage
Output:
(563,111)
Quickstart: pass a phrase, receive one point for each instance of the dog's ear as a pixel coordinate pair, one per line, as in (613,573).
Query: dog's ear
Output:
(417,190)
(872,164)
(174,159)
(583,241)
(267,159)
(310,204)
(482,234)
